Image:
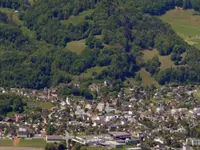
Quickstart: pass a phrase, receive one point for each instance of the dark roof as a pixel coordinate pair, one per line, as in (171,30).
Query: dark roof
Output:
(118,134)
(54,137)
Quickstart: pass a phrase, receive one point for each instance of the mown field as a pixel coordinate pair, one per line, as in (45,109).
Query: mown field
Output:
(6,142)
(186,24)
(37,143)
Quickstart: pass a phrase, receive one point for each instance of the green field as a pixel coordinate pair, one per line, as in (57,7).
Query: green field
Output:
(6,142)
(147,79)
(79,46)
(184,24)
(75,20)
(41,104)
(165,61)
(76,46)
(38,143)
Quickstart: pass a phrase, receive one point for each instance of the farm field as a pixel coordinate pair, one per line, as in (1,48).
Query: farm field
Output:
(37,143)
(185,24)
(75,20)
(166,62)
(6,142)
(41,104)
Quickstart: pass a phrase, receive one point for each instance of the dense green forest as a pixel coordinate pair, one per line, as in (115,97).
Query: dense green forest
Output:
(33,50)
(10,103)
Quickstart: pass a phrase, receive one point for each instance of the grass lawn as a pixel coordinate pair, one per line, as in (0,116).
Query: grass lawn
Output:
(41,104)
(184,24)
(75,20)
(38,143)
(6,142)
(76,46)
(147,79)
(166,62)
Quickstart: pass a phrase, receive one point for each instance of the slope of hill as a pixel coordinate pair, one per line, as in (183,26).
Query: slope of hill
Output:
(41,46)
(185,23)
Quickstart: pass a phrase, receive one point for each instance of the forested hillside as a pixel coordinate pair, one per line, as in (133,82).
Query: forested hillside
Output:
(35,36)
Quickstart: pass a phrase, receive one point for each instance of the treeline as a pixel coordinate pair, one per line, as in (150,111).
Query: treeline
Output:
(76,91)
(159,7)
(44,61)
(46,22)
(14,4)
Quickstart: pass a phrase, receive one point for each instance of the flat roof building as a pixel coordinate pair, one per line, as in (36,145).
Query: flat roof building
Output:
(54,138)
(120,135)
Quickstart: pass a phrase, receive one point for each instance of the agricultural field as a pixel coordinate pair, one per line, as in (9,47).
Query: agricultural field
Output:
(75,20)
(89,73)
(6,142)
(41,104)
(166,62)
(185,24)
(37,143)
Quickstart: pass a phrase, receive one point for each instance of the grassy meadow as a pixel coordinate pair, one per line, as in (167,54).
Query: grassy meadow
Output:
(165,61)
(185,24)
(147,79)
(6,142)
(41,104)
(38,143)
(76,46)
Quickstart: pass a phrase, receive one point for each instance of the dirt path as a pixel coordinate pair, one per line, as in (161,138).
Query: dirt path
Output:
(16,141)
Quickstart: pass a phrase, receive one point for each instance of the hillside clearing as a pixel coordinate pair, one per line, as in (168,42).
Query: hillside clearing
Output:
(75,20)
(89,72)
(165,61)
(147,79)
(76,46)
(185,24)
(14,17)
(79,46)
